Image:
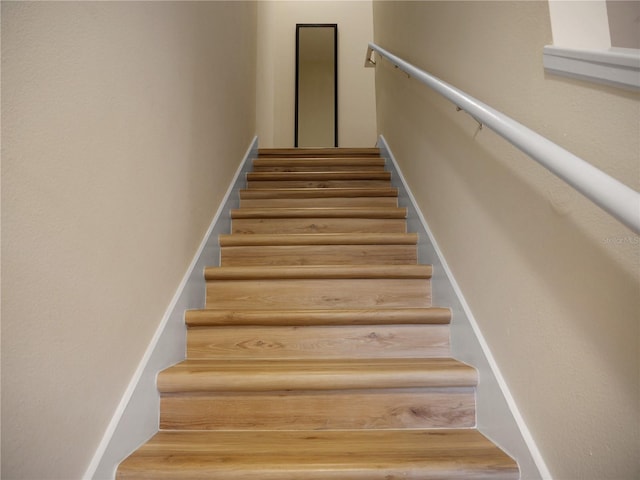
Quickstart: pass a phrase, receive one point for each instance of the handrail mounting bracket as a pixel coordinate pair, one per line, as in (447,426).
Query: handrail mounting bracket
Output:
(460,109)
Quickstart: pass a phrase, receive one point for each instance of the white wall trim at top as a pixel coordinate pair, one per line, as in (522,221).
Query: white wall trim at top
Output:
(618,67)
(136,416)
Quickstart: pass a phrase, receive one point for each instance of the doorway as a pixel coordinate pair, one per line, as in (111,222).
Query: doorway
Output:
(316,115)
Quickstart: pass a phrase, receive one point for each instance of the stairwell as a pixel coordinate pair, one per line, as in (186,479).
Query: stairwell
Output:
(319,354)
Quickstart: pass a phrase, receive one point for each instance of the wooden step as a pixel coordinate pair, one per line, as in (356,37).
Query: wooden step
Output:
(314,410)
(312,164)
(321,272)
(306,183)
(312,374)
(319,197)
(319,202)
(321,212)
(291,193)
(318,249)
(318,152)
(379,316)
(347,179)
(317,287)
(317,176)
(319,255)
(318,220)
(319,225)
(318,342)
(422,393)
(318,239)
(452,454)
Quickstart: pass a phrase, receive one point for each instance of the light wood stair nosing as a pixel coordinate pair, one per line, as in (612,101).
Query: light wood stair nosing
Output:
(316,152)
(319,374)
(318,161)
(256,239)
(387,272)
(320,212)
(311,192)
(389,316)
(318,176)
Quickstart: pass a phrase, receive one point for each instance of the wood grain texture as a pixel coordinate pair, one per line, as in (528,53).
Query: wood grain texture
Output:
(314,374)
(319,152)
(385,191)
(330,409)
(319,239)
(319,202)
(319,212)
(359,341)
(319,255)
(318,225)
(306,183)
(437,454)
(302,317)
(328,294)
(314,272)
(319,176)
(335,164)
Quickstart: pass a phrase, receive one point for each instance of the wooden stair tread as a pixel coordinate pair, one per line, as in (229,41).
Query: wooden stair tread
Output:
(322,212)
(278,162)
(319,152)
(387,316)
(316,176)
(320,455)
(318,192)
(206,375)
(319,272)
(236,240)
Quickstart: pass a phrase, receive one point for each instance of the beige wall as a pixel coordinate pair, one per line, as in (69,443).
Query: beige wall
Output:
(624,23)
(552,280)
(123,124)
(276,69)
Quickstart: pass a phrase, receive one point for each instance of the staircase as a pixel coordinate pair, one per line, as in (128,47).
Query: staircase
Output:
(318,355)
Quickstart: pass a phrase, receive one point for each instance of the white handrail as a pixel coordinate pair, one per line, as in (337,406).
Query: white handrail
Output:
(611,195)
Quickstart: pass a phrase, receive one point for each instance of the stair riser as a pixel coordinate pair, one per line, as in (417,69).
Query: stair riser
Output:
(318,225)
(319,202)
(362,174)
(284,161)
(303,293)
(369,409)
(318,168)
(319,255)
(342,152)
(318,193)
(258,184)
(364,341)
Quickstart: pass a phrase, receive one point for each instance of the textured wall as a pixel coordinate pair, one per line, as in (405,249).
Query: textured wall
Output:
(123,124)
(552,280)
(276,69)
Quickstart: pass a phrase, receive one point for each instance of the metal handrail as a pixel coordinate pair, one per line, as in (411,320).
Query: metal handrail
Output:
(613,196)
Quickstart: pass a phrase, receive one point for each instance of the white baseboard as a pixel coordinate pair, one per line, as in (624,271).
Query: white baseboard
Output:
(498,415)
(136,416)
